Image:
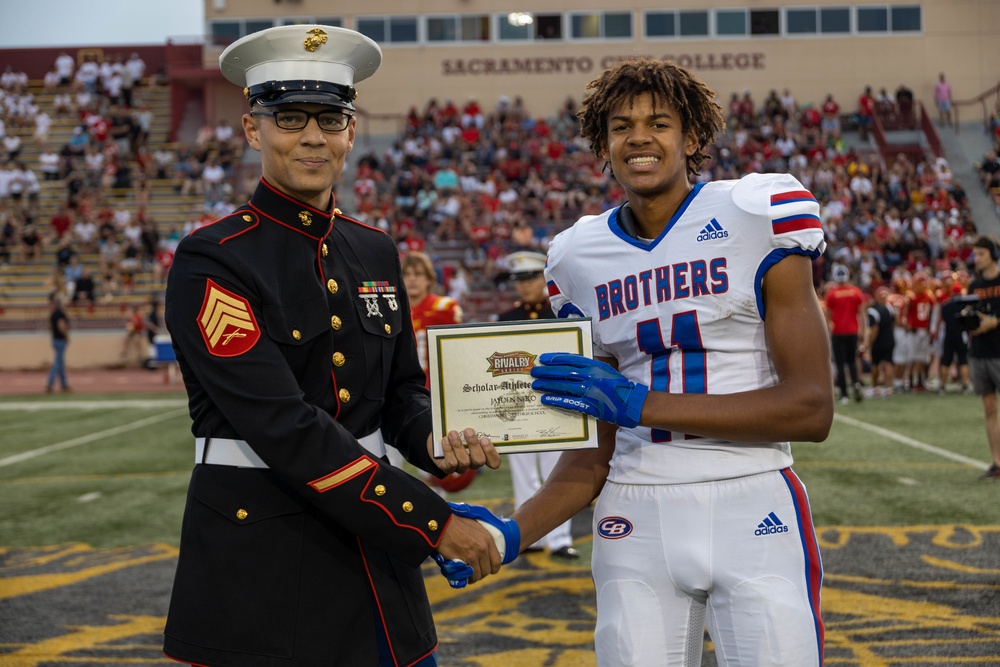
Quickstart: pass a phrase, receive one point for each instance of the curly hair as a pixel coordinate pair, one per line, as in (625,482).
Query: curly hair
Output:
(667,82)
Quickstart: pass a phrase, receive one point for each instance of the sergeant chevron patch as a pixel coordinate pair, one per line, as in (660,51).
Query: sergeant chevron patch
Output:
(227,324)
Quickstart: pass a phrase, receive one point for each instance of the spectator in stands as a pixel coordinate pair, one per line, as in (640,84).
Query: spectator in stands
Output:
(830,125)
(136,67)
(63,105)
(942,98)
(866,113)
(87,73)
(65,65)
(59,327)
(142,122)
(12,146)
(31,240)
(84,289)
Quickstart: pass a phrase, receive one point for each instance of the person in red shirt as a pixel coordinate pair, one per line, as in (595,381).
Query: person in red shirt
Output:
(845,316)
(866,113)
(426,307)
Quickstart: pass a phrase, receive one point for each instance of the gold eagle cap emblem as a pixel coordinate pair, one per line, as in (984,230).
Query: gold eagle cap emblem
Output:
(316,39)
(305,217)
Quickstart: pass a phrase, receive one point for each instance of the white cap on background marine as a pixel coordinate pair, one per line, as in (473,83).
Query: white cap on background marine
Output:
(525,263)
(313,64)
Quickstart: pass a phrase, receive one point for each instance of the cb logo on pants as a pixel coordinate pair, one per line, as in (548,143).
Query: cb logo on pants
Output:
(613,528)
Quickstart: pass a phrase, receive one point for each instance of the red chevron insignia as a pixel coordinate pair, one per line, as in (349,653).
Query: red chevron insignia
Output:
(227,324)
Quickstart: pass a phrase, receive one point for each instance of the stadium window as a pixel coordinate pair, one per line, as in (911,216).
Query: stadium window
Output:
(336,23)
(372,28)
(873,19)
(389,30)
(730,22)
(458,28)
(834,20)
(402,29)
(515,26)
(765,22)
(584,26)
(548,26)
(441,29)
(801,21)
(694,24)
(257,26)
(661,24)
(474,28)
(225,33)
(601,25)
(618,24)
(906,18)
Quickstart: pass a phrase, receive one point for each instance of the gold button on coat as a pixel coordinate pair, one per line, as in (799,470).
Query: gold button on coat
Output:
(241,514)
(388,329)
(338,359)
(380,490)
(296,334)
(335,323)
(326,251)
(345,395)
(332,285)
(407,506)
(432,524)
(247,217)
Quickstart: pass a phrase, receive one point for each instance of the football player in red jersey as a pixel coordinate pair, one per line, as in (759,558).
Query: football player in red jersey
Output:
(920,307)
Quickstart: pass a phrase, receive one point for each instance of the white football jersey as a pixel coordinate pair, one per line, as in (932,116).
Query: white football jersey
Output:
(684,312)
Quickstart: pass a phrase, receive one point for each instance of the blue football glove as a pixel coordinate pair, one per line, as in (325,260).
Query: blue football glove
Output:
(574,382)
(457,572)
(505,532)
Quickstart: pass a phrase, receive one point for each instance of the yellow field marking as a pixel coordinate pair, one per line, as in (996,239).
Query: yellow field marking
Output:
(84,563)
(83,440)
(84,638)
(950,536)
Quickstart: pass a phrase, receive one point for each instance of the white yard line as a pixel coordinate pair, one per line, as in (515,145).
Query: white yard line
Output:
(140,404)
(82,440)
(910,442)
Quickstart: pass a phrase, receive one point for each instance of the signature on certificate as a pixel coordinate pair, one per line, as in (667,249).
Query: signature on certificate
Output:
(549,432)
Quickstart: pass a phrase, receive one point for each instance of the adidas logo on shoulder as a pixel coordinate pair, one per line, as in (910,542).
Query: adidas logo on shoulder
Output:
(713,230)
(771,525)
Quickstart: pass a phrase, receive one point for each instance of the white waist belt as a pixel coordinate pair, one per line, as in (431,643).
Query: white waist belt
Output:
(228,452)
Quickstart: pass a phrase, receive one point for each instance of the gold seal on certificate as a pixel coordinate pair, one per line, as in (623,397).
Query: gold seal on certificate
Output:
(480,377)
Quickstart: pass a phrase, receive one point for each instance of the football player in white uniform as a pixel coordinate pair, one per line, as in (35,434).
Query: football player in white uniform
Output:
(712,354)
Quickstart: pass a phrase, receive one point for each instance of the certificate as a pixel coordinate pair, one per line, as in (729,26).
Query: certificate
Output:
(480,378)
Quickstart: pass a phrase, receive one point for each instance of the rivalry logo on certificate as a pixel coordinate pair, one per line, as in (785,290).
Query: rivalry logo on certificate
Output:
(496,398)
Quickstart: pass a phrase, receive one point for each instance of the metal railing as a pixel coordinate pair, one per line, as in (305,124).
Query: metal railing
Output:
(981,100)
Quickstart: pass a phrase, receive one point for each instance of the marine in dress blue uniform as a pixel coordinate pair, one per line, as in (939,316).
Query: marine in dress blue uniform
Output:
(300,544)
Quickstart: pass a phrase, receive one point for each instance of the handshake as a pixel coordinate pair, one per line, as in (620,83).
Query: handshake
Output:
(505,532)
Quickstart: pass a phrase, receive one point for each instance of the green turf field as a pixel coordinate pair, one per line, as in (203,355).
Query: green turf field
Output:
(112,470)
(93,489)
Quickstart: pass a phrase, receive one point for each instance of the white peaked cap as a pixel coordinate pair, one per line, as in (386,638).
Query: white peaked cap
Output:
(316,64)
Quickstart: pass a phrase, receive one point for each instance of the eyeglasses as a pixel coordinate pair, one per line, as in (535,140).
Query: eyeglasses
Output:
(296,119)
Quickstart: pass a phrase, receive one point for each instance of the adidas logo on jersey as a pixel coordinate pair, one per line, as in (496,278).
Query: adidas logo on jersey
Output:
(770,525)
(713,230)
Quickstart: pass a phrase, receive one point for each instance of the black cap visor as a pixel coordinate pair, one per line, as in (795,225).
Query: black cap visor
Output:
(273,93)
